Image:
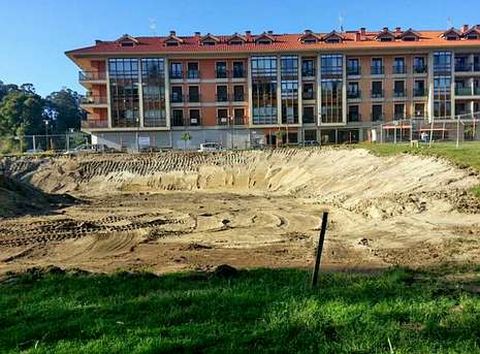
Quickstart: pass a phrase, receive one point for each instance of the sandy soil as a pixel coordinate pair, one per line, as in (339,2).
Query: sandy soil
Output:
(176,211)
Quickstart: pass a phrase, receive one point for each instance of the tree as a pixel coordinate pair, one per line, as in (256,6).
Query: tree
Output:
(63,107)
(186,137)
(21,113)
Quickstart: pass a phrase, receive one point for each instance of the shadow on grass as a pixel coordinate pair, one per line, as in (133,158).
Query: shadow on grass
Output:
(257,310)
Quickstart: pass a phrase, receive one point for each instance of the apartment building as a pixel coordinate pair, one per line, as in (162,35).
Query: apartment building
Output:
(247,89)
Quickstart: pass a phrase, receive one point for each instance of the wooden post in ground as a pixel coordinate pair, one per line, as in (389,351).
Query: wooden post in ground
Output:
(318,257)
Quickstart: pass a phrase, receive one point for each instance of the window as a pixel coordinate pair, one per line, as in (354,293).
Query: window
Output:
(222,116)
(386,39)
(399,66)
(377,66)
(308,67)
(333,39)
(419,65)
(127,44)
(177,117)
(473,36)
(238,69)
(409,39)
(177,94)
(399,111)
(353,114)
(331,64)
(221,69)
(419,109)
(308,92)
(193,94)
(353,67)
(222,95)
(235,42)
(399,88)
(153,83)
(377,112)
(353,90)
(172,44)
(124,92)
(419,88)
(310,40)
(239,116)
(209,42)
(377,89)
(289,66)
(264,90)
(192,71)
(238,94)
(176,70)
(442,62)
(264,66)
(194,117)
(308,114)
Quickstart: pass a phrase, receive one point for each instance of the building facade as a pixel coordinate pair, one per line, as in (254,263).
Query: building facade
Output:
(243,90)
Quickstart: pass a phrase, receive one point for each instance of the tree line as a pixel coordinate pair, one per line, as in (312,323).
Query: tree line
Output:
(24,112)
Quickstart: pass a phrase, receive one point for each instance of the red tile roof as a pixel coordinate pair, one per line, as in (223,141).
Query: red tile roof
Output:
(282,43)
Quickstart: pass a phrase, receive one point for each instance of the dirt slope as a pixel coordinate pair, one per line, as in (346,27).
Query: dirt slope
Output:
(256,208)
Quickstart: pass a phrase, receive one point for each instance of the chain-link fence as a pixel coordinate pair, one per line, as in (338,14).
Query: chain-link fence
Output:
(460,129)
(55,143)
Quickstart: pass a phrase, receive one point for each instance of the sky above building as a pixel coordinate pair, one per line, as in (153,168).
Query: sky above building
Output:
(36,33)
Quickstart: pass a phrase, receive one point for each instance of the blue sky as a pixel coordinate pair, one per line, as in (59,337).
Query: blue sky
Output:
(36,33)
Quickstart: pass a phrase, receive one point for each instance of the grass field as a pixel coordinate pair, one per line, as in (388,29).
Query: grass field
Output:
(258,310)
(467,155)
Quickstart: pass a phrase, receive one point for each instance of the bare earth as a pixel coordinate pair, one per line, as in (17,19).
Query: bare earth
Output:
(177,211)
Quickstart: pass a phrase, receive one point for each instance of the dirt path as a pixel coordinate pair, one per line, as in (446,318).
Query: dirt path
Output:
(180,211)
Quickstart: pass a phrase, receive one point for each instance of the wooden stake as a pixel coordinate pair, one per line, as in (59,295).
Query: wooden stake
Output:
(321,240)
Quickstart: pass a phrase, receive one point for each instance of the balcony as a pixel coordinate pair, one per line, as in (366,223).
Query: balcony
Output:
(354,117)
(354,94)
(419,92)
(92,124)
(308,72)
(93,100)
(354,71)
(193,74)
(84,76)
(463,91)
(377,117)
(239,97)
(221,73)
(222,98)
(308,95)
(476,91)
(377,70)
(238,73)
(176,75)
(176,98)
(399,93)
(193,98)
(420,69)
(377,94)
(399,69)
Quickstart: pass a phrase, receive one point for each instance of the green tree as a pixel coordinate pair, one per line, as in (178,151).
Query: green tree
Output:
(21,113)
(186,137)
(64,108)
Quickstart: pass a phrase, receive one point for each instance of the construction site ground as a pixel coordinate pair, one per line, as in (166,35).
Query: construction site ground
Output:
(188,211)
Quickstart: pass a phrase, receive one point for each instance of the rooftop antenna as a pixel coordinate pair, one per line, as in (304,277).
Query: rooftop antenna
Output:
(152,26)
(340,21)
(449,22)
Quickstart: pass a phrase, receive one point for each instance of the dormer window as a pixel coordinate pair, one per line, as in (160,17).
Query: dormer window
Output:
(171,44)
(410,36)
(310,41)
(333,37)
(385,39)
(473,36)
(209,42)
(451,35)
(409,39)
(451,38)
(235,42)
(127,41)
(264,41)
(127,44)
(385,36)
(333,40)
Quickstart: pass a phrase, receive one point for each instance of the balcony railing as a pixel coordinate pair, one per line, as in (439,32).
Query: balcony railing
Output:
(308,118)
(240,120)
(193,74)
(308,95)
(193,98)
(419,69)
(176,98)
(476,91)
(377,70)
(238,73)
(377,94)
(399,93)
(222,98)
(464,67)
(92,100)
(354,117)
(308,72)
(377,117)
(354,71)
(463,91)
(354,94)
(91,124)
(399,69)
(221,73)
(176,75)
(239,97)
(92,76)
(419,92)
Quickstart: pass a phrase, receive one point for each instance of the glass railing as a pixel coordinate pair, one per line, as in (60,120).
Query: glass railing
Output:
(419,69)
(377,70)
(91,100)
(193,74)
(419,93)
(399,69)
(92,75)
(376,94)
(353,94)
(399,93)
(463,91)
(354,71)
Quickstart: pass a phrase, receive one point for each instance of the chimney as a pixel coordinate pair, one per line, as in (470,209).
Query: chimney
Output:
(270,32)
(385,29)
(248,33)
(363,31)
(197,34)
(464,28)
(173,33)
(307,31)
(398,29)
(358,36)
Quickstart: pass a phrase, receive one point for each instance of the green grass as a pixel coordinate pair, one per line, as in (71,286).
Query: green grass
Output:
(255,311)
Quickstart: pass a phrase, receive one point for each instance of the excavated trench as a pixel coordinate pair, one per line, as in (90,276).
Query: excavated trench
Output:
(178,210)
